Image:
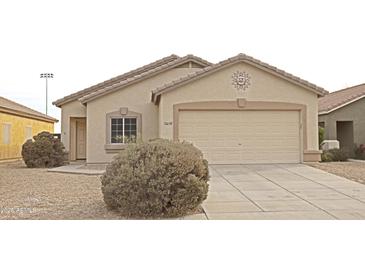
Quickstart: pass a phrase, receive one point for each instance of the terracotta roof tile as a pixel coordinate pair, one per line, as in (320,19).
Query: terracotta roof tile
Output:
(340,98)
(141,76)
(79,94)
(12,107)
(239,57)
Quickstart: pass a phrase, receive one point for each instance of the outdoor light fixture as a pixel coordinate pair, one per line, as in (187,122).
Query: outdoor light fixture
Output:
(46,75)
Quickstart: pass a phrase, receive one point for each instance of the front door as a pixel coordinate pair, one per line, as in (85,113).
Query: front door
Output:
(80,139)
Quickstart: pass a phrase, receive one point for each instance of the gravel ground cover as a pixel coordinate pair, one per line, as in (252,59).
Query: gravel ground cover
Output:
(351,170)
(37,194)
(27,193)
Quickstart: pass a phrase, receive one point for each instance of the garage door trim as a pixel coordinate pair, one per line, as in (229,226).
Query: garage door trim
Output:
(242,105)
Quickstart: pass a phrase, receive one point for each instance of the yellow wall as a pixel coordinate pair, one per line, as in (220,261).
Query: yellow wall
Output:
(17,138)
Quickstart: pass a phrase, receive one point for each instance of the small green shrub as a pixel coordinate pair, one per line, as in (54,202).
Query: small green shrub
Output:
(326,156)
(339,155)
(335,155)
(156,179)
(44,151)
(360,152)
(320,135)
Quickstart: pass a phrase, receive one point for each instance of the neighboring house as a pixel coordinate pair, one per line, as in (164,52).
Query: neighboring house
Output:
(19,123)
(240,110)
(342,115)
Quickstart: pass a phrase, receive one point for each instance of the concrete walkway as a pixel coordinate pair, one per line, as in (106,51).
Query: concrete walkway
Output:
(76,168)
(281,192)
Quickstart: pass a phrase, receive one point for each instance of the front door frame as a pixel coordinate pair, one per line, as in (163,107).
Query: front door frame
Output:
(73,137)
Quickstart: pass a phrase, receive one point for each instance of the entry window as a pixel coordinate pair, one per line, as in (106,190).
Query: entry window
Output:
(123,130)
(28,133)
(6,134)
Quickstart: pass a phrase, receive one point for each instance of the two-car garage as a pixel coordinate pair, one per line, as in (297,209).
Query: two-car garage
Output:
(243,136)
(242,111)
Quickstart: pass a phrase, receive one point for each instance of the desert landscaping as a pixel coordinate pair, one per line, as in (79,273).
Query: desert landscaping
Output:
(351,170)
(36,194)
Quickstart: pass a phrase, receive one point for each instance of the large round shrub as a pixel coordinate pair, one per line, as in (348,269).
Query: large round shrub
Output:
(44,151)
(156,179)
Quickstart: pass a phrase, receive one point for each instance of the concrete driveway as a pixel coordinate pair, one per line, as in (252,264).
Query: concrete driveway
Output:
(281,191)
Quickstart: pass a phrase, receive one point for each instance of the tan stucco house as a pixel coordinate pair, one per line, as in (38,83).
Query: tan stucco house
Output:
(240,110)
(342,115)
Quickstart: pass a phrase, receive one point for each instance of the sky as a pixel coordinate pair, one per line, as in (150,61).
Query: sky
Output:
(85,42)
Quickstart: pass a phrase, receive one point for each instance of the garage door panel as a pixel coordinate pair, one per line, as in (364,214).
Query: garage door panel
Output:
(235,137)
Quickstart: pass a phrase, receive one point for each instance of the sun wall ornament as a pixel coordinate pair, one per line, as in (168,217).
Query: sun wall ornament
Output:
(241,80)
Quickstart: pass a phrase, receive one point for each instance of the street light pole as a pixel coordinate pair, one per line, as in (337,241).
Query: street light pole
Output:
(46,75)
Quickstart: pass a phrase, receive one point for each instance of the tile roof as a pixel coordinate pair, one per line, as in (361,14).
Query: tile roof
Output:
(340,98)
(122,77)
(12,107)
(113,80)
(240,57)
(143,76)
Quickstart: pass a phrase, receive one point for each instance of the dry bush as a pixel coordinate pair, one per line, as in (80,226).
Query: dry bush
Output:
(156,179)
(335,155)
(44,151)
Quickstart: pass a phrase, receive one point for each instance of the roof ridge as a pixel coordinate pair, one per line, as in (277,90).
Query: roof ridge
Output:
(345,89)
(192,56)
(340,98)
(134,72)
(141,75)
(240,56)
(32,111)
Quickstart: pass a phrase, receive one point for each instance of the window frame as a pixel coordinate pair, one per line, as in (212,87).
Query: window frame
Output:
(30,128)
(124,113)
(123,129)
(6,140)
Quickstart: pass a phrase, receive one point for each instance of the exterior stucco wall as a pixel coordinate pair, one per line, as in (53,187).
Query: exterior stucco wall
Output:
(137,98)
(18,125)
(71,109)
(353,112)
(218,87)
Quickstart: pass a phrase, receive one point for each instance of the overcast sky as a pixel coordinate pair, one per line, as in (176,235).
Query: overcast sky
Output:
(86,42)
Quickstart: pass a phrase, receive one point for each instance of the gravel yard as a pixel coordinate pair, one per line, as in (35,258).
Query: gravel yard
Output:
(27,193)
(351,170)
(38,194)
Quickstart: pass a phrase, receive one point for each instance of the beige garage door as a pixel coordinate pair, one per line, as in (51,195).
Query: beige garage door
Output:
(235,137)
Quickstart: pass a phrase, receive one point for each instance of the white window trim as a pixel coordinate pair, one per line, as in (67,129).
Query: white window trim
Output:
(122,113)
(31,133)
(8,138)
(123,128)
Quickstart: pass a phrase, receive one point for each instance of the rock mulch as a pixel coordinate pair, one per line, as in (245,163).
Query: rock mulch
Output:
(37,194)
(351,170)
